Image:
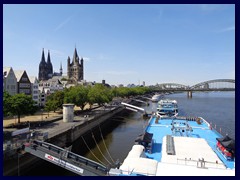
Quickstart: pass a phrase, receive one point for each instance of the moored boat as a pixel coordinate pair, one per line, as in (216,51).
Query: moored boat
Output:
(167,107)
(179,146)
(156,97)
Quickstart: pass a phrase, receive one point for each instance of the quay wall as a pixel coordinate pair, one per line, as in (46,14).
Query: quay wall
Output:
(67,137)
(24,162)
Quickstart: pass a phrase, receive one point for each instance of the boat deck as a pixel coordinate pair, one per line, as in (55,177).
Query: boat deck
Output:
(163,127)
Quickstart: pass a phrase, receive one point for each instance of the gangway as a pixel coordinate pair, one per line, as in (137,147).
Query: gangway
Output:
(65,159)
(146,98)
(134,108)
(138,100)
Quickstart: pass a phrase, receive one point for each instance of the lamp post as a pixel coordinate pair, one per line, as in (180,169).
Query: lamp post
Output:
(42,113)
(15,119)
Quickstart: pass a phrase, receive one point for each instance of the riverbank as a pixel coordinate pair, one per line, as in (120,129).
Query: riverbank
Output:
(63,134)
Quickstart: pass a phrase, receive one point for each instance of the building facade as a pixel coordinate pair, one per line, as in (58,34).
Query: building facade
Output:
(53,85)
(23,82)
(47,88)
(35,91)
(9,81)
(75,68)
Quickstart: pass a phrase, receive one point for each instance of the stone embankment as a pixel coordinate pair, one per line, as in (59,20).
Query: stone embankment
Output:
(57,132)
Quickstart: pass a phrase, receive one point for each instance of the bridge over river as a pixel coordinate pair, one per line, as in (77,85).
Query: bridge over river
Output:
(211,85)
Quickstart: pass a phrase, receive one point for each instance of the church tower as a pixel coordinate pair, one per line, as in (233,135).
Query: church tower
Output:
(75,69)
(49,66)
(42,74)
(45,71)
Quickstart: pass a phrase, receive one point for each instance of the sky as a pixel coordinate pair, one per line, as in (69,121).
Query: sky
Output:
(124,44)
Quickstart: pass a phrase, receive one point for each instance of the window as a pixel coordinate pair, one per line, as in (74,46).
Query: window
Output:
(24,79)
(26,91)
(24,85)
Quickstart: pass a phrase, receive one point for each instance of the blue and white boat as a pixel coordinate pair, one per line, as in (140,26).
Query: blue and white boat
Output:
(167,107)
(179,146)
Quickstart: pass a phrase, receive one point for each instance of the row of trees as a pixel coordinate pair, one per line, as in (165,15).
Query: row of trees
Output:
(21,104)
(83,95)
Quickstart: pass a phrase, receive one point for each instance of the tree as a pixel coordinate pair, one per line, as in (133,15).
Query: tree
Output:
(51,105)
(64,79)
(54,101)
(77,95)
(99,94)
(21,104)
(6,103)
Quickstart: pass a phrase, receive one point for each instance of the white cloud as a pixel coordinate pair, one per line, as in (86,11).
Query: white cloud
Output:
(231,28)
(86,59)
(63,23)
(57,53)
(100,57)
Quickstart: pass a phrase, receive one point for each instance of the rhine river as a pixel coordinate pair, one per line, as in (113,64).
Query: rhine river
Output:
(217,108)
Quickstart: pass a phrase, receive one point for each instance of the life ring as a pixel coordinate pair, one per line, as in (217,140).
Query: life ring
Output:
(198,120)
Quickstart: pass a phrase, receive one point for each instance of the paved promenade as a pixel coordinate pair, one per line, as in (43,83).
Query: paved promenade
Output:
(54,127)
(32,118)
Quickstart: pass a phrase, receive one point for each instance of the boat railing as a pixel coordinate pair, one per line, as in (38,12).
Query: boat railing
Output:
(132,172)
(64,153)
(201,163)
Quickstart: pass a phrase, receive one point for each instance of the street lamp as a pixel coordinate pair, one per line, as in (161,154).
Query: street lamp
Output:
(15,119)
(42,114)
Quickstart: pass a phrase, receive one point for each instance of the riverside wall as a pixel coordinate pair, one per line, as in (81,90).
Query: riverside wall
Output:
(65,135)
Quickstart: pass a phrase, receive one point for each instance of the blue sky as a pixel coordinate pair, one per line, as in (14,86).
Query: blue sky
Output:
(124,44)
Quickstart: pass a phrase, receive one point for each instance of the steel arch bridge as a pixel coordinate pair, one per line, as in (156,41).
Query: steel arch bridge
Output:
(172,86)
(215,84)
(211,85)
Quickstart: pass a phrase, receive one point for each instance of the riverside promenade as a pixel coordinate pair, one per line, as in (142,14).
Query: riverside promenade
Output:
(58,132)
(52,123)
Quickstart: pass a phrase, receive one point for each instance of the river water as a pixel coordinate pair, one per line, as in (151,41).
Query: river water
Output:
(217,108)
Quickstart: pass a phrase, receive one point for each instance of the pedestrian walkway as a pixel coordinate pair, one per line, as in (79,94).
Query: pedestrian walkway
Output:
(45,116)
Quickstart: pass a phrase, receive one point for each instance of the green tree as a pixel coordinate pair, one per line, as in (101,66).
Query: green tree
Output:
(21,104)
(122,91)
(54,101)
(99,94)
(51,105)
(6,103)
(77,95)
(64,79)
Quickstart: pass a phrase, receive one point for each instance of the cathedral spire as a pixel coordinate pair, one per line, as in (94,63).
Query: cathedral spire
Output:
(48,58)
(75,56)
(43,56)
(49,64)
(61,70)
